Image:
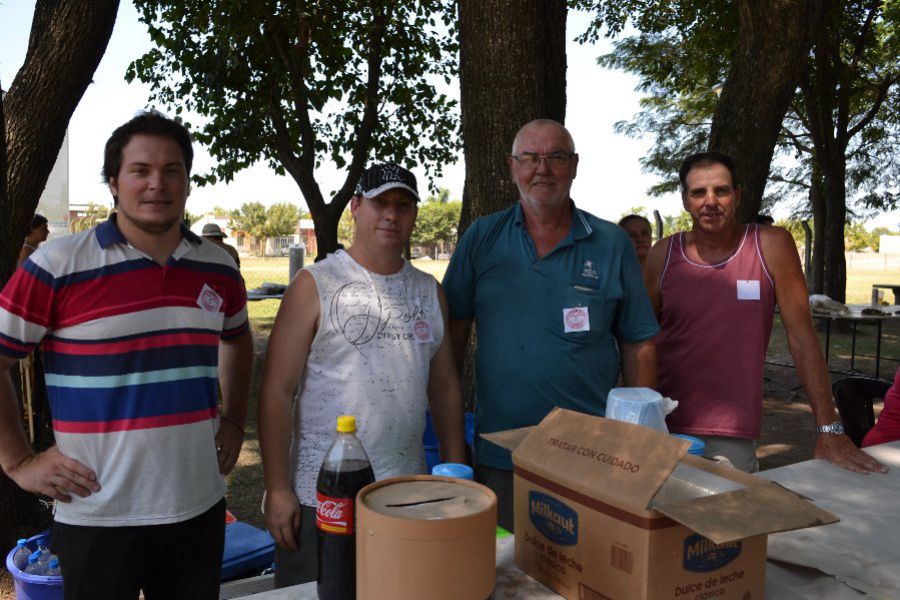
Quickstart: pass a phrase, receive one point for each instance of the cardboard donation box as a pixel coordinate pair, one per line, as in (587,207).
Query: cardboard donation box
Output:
(423,536)
(608,510)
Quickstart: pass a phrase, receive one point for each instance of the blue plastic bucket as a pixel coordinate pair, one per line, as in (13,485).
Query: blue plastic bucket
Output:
(34,587)
(429,439)
(697,445)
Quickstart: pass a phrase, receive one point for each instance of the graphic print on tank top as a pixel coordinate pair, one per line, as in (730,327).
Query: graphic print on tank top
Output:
(365,313)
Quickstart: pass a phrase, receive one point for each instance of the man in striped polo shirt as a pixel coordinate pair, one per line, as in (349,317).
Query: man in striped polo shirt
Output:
(139,320)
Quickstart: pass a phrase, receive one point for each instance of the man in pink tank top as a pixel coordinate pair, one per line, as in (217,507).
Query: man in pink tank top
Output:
(714,290)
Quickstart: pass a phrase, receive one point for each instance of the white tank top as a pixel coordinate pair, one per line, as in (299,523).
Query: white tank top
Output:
(369,358)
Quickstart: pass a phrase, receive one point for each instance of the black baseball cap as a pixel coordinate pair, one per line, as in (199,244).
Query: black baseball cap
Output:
(382,177)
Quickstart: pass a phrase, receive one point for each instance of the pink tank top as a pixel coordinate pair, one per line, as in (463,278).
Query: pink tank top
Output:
(716,322)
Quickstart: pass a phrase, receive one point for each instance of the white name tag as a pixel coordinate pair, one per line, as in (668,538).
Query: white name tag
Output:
(422,331)
(748,289)
(576,319)
(209,300)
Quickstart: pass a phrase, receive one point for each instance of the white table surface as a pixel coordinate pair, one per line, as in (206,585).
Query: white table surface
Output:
(863,549)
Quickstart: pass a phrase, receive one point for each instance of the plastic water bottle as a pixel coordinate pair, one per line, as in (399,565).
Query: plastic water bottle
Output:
(20,558)
(45,556)
(35,567)
(53,568)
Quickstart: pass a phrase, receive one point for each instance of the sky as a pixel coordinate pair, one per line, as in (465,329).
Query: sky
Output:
(609,181)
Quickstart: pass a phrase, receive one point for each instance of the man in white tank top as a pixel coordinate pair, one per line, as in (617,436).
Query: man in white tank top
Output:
(708,314)
(361,333)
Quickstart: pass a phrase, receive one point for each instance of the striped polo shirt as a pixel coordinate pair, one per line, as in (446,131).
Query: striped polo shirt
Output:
(131,358)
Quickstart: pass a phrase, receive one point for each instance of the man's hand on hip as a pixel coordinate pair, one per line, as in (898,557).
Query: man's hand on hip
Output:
(53,474)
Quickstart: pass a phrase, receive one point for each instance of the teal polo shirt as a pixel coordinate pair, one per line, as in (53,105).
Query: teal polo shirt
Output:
(537,348)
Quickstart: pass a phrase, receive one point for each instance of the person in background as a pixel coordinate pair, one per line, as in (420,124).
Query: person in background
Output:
(137,318)
(557,299)
(361,333)
(214,234)
(714,289)
(37,233)
(641,233)
(887,427)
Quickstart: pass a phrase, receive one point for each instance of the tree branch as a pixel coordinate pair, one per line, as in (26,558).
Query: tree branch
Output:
(366,126)
(883,90)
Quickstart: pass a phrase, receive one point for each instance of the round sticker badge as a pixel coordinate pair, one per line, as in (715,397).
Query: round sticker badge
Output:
(576,319)
(422,331)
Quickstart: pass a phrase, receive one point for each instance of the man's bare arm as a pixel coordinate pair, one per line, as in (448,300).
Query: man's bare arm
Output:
(235,370)
(639,363)
(289,344)
(653,270)
(793,303)
(459,337)
(445,398)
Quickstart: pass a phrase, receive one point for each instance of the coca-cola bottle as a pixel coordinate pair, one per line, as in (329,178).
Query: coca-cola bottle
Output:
(345,470)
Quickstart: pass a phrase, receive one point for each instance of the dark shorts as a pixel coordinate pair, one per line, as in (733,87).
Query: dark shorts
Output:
(302,565)
(168,562)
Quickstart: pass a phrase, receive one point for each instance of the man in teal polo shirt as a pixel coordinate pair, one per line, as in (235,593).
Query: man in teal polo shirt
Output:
(558,299)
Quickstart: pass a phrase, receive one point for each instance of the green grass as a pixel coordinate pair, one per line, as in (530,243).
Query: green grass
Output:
(859,285)
(257,271)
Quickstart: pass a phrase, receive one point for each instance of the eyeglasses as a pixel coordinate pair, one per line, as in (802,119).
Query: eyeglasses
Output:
(530,160)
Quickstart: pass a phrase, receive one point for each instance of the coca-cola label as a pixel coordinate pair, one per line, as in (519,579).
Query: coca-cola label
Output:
(334,515)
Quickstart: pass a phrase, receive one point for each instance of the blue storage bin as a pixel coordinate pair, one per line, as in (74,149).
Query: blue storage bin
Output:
(248,551)
(429,439)
(34,587)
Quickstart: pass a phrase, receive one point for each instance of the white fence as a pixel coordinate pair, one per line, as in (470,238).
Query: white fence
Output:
(871,261)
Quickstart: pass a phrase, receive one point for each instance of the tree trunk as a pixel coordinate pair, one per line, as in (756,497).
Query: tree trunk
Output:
(326,225)
(68,39)
(835,280)
(816,278)
(512,70)
(775,38)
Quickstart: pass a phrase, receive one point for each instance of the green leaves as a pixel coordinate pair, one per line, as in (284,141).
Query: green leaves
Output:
(437,220)
(290,82)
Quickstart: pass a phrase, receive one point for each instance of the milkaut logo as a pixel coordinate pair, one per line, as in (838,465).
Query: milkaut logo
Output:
(555,520)
(702,555)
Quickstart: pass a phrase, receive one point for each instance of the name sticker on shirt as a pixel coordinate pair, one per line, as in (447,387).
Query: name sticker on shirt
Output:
(422,331)
(209,300)
(576,319)
(748,289)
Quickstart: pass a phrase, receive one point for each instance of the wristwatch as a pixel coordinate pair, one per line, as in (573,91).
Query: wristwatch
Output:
(834,427)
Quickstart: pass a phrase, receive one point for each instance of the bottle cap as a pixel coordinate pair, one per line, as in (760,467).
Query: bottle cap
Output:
(33,557)
(21,542)
(457,470)
(54,563)
(346,424)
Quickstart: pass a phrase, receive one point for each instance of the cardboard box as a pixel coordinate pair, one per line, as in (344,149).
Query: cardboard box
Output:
(585,526)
